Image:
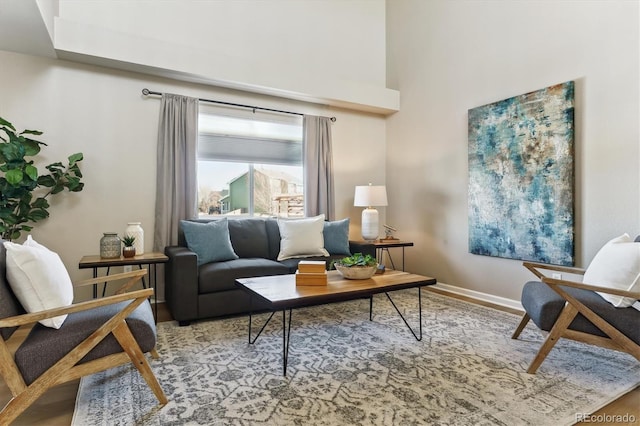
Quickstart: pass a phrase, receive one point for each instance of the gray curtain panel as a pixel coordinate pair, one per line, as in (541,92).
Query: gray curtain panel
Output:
(176,184)
(318,167)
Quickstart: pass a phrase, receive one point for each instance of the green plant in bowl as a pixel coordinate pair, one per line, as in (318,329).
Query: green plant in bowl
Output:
(357,266)
(358,259)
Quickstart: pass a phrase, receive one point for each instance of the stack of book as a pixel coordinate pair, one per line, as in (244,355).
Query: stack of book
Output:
(311,272)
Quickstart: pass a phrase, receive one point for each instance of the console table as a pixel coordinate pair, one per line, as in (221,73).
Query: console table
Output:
(150,259)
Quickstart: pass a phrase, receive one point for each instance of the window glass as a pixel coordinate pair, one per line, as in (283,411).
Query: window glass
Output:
(248,166)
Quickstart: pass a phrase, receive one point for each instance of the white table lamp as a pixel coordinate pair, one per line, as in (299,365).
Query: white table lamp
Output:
(370,196)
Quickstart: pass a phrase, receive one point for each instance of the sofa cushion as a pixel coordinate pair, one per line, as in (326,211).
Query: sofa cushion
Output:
(336,237)
(249,237)
(544,306)
(301,237)
(218,276)
(273,235)
(616,266)
(292,264)
(210,241)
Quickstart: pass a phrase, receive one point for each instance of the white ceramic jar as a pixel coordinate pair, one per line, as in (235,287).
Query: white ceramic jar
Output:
(134,229)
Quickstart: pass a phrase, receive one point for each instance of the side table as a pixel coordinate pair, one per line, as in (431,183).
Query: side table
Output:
(150,259)
(383,246)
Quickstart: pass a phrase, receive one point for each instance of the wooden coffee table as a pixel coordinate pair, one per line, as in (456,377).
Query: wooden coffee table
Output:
(280,293)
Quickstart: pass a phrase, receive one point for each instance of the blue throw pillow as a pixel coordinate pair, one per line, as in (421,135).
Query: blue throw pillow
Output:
(336,237)
(210,241)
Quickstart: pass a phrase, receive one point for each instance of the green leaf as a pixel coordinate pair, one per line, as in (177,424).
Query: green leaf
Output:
(40,203)
(12,151)
(47,181)
(31,147)
(14,177)
(75,170)
(57,188)
(37,214)
(77,188)
(31,132)
(4,122)
(55,167)
(74,158)
(32,172)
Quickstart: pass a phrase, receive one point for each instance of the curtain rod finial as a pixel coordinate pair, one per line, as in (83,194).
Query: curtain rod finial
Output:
(145,92)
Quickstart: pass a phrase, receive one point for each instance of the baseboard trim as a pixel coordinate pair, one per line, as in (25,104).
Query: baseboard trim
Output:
(485,297)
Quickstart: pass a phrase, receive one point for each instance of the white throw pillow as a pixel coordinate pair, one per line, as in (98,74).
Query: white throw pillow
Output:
(38,278)
(301,237)
(616,265)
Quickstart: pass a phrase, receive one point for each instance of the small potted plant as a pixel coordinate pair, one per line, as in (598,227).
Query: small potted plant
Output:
(128,250)
(357,266)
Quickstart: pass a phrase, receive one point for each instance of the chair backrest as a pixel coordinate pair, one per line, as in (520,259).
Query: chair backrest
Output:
(9,304)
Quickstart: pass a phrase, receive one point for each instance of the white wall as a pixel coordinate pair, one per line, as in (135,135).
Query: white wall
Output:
(102,113)
(328,51)
(295,37)
(447,56)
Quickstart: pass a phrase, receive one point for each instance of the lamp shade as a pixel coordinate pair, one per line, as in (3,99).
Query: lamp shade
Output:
(370,195)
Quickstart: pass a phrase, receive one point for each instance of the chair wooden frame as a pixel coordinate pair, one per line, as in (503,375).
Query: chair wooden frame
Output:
(67,368)
(615,340)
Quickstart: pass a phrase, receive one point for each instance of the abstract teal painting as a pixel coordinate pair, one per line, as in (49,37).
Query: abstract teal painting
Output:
(521,203)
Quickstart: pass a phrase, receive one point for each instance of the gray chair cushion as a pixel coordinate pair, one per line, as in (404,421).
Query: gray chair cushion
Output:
(249,237)
(544,305)
(45,346)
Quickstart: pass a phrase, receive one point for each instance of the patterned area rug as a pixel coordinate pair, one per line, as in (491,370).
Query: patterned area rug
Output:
(346,370)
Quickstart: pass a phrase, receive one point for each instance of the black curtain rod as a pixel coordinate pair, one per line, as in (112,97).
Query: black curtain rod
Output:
(147,92)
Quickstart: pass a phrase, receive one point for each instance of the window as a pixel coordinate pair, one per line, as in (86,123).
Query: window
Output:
(250,166)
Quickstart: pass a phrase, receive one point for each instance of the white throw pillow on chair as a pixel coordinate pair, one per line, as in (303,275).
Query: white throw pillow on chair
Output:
(38,278)
(616,266)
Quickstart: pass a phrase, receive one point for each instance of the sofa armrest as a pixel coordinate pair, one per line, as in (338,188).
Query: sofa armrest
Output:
(362,247)
(181,283)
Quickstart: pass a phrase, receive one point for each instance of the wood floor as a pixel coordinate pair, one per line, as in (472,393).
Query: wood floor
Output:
(56,406)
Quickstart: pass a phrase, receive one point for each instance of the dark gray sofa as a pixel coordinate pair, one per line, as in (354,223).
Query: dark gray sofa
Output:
(210,291)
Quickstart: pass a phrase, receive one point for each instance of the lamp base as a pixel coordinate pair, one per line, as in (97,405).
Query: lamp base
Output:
(370,224)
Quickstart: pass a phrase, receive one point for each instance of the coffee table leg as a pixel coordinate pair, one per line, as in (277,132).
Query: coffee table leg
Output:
(285,340)
(371,308)
(418,337)
(251,342)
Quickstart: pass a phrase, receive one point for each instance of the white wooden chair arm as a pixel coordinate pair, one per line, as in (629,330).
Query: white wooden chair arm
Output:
(534,267)
(585,286)
(134,276)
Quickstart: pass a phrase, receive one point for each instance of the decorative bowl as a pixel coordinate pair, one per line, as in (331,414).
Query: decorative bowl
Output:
(356,272)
